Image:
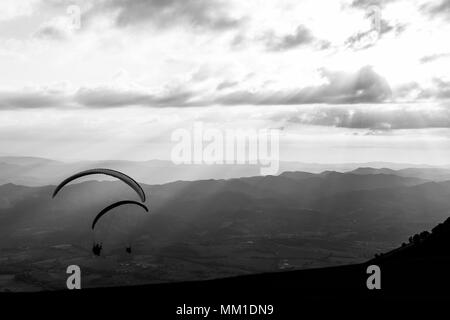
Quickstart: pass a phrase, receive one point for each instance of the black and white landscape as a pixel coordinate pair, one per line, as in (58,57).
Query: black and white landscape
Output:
(272,139)
(217,228)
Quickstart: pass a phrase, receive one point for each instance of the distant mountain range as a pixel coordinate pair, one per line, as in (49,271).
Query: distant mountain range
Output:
(435,174)
(363,206)
(222,227)
(31,171)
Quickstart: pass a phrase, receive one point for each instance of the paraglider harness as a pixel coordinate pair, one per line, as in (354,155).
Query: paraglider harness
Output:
(97,249)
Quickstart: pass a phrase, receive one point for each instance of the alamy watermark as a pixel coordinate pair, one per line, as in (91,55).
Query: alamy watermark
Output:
(74,17)
(208,146)
(374,280)
(374,14)
(74,280)
(370,35)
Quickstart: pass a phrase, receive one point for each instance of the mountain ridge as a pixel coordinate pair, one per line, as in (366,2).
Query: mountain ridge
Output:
(34,171)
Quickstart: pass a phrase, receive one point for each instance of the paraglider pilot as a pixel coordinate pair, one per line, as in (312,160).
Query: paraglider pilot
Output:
(97,249)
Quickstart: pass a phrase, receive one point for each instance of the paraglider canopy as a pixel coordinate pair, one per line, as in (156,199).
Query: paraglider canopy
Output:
(114,205)
(113,173)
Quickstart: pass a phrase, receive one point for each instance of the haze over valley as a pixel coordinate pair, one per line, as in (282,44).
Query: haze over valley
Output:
(215,228)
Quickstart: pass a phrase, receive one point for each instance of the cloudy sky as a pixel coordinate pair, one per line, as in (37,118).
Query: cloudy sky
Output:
(119,83)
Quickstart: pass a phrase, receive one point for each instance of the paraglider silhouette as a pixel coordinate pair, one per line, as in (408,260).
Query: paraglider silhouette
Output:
(97,248)
(114,205)
(113,173)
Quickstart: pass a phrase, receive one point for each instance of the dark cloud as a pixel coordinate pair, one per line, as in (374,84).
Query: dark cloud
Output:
(99,98)
(301,36)
(438,9)
(203,73)
(434,57)
(30,100)
(94,98)
(226,85)
(208,14)
(362,40)
(439,90)
(108,98)
(49,32)
(367,39)
(442,88)
(364,86)
(365,4)
(373,118)
(410,91)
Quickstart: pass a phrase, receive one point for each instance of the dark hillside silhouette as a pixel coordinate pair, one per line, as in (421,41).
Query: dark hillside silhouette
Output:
(413,272)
